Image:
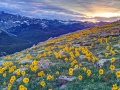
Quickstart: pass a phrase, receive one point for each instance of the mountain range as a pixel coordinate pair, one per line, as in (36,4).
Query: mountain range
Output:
(20,32)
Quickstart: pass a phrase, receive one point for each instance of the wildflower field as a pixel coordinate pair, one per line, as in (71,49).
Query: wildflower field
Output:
(84,60)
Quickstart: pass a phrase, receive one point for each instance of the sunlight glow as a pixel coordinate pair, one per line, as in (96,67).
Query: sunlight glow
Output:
(107,15)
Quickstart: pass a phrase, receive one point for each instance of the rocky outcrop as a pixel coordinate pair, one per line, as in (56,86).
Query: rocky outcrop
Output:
(43,64)
(26,61)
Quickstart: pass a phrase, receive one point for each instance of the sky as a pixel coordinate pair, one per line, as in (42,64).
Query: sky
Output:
(80,10)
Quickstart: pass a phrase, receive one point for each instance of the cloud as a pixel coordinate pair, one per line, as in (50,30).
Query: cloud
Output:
(85,10)
(107,19)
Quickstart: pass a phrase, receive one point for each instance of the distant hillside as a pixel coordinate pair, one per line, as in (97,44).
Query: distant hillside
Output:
(10,43)
(32,31)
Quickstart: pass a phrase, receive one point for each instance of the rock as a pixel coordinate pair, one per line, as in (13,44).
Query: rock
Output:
(104,35)
(96,42)
(32,47)
(117,45)
(101,62)
(62,80)
(66,78)
(116,31)
(4,88)
(59,83)
(117,69)
(1,62)
(115,34)
(19,57)
(40,44)
(81,57)
(92,35)
(23,69)
(85,63)
(41,51)
(85,44)
(63,54)
(19,79)
(43,64)
(25,61)
(100,55)
(63,87)
(76,45)
(50,38)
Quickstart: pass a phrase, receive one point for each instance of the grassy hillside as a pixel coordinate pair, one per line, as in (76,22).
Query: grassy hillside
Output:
(83,60)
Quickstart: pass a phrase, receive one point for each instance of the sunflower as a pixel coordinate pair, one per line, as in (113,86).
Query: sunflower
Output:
(4,75)
(41,73)
(42,83)
(49,77)
(84,68)
(76,66)
(80,77)
(101,71)
(106,54)
(23,72)
(71,69)
(57,72)
(26,80)
(118,74)
(112,60)
(114,87)
(88,71)
(21,87)
(112,67)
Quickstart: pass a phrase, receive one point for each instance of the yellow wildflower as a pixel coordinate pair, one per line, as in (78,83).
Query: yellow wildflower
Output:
(118,74)
(101,71)
(80,77)
(112,67)
(26,80)
(42,83)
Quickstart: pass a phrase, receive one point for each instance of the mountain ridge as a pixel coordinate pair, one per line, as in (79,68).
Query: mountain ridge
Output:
(34,30)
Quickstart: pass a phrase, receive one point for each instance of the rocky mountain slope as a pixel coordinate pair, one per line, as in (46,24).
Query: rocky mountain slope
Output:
(31,31)
(8,21)
(83,60)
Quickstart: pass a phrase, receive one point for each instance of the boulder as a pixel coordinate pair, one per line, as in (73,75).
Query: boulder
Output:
(62,80)
(105,35)
(63,87)
(19,79)
(100,55)
(63,54)
(117,45)
(43,64)
(1,62)
(4,88)
(76,45)
(26,61)
(41,51)
(85,44)
(81,57)
(101,62)
(66,78)
(19,57)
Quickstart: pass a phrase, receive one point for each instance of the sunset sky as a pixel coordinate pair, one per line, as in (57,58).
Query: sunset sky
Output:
(82,10)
